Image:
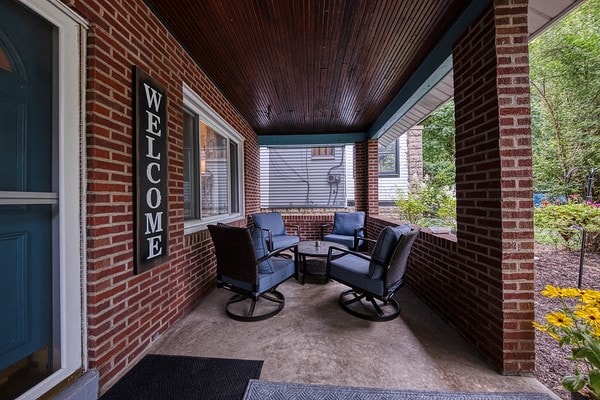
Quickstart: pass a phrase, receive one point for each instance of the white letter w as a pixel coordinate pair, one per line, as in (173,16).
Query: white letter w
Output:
(152,97)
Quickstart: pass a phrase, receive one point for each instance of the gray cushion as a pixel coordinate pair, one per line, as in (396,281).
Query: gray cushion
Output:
(344,223)
(343,239)
(354,271)
(384,248)
(283,241)
(260,249)
(272,221)
(283,268)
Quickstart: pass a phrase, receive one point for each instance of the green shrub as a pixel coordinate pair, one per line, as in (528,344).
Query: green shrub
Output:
(567,221)
(428,204)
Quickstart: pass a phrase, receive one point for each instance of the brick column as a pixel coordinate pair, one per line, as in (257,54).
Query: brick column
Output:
(366,177)
(360,176)
(494,185)
(372,178)
(415,153)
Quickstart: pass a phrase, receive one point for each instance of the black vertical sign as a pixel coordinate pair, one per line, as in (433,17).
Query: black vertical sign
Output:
(150,108)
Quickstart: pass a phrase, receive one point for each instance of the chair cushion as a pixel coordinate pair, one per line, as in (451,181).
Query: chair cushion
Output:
(354,271)
(384,248)
(272,221)
(260,249)
(283,268)
(345,222)
(283,241)
(343,239)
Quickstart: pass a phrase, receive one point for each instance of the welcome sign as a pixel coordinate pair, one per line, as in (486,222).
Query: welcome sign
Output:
(151,188)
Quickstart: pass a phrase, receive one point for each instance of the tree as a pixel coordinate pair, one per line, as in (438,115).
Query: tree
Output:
(565,100)
(438,146)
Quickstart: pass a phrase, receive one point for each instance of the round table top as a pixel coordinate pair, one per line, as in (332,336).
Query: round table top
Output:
(310,247)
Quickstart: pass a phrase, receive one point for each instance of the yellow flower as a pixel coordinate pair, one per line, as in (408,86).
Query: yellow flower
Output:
(570,292)
(551,291)
(546,329)
(591,297)
(559,319)
(590,315)
(540,327)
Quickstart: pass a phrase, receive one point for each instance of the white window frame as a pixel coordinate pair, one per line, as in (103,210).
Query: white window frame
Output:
(396,154)
(193,102)
(70,113)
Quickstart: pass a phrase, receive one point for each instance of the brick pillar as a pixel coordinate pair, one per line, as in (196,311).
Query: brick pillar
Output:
(360,176)
(494,184)
(414,156)
(372,178)
(366,177)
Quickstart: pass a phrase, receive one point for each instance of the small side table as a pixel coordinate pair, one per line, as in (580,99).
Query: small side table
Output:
(314,248)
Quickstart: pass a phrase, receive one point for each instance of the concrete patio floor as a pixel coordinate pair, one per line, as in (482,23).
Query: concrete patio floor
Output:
(314,341)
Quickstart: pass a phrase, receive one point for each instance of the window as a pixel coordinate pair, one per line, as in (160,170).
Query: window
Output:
(292,177)
(323,152)
(388,159)
(212,165)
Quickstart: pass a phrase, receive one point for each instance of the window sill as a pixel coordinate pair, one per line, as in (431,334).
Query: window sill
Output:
(195,225)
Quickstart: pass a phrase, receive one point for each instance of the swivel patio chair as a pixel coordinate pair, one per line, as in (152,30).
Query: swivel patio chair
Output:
(375,278)
(348,228)
(245,267)
(277,235)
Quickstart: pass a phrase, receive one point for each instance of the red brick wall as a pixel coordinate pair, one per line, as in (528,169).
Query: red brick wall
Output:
(483,283)
(366,177)
(372,183)
(360,176)
(127,312)
(517,185)
(310,224)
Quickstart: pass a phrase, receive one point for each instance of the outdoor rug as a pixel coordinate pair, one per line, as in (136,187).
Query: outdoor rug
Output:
(262,390)
(182,378)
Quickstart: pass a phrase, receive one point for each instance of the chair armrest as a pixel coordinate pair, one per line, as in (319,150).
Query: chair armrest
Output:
(297,227)
(358,239)
(269,238)
(325,226)
(276,252)
(344,252)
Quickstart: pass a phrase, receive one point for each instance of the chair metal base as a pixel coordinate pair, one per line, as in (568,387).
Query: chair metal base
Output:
(247,312)
(371,309)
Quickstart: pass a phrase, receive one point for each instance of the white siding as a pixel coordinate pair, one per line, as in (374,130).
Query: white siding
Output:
(350,172)
(264,177)
(292,177)
(287,189)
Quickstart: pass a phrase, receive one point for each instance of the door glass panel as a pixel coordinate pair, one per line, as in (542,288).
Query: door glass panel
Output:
(5,61)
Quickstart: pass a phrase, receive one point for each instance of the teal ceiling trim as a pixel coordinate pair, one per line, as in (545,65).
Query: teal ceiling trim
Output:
(434,67)
(312,139)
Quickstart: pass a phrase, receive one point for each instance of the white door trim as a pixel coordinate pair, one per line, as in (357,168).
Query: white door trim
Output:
(70,247)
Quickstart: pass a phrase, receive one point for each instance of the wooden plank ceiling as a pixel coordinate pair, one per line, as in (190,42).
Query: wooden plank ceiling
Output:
(309,66)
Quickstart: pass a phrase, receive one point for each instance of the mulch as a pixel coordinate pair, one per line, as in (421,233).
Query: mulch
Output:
(559,268)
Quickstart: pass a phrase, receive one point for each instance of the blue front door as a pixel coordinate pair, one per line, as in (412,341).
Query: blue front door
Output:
(28,200)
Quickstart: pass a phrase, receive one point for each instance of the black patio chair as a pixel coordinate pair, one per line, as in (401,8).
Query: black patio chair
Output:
(245,267)
(348,228)
(277,234)
(374,278)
